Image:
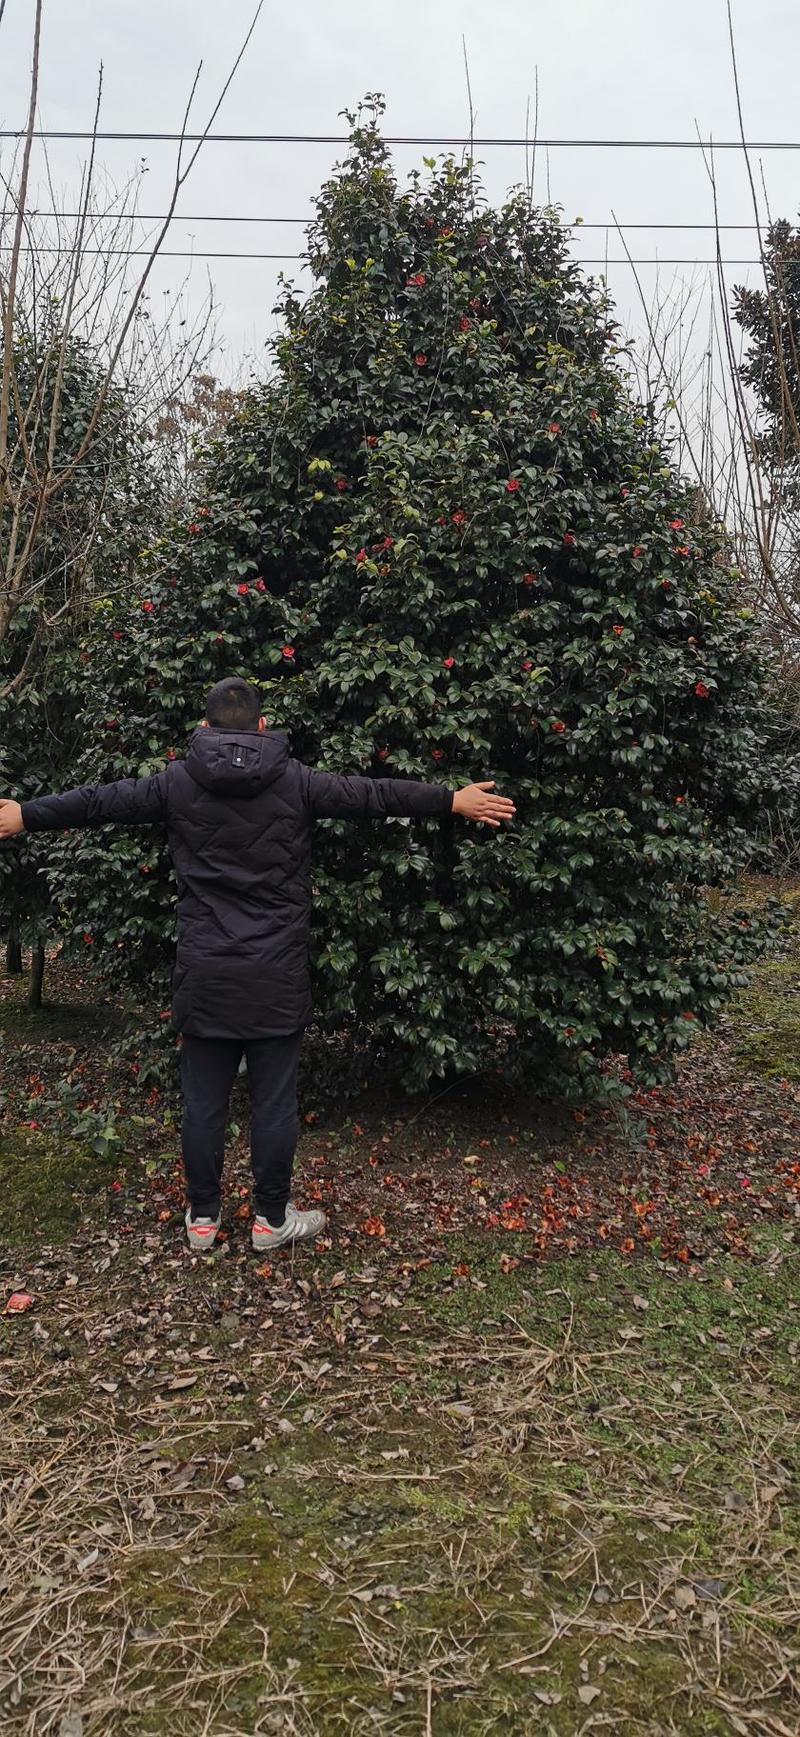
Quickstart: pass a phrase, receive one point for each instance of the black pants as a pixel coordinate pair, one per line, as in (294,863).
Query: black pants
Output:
(209,1066)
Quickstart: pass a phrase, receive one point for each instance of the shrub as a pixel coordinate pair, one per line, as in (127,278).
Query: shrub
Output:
(447,544)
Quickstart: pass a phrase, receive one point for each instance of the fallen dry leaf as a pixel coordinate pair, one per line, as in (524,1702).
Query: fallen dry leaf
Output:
(18,1302)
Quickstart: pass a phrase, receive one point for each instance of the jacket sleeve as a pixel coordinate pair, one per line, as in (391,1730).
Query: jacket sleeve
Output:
(127,802)
(329,796)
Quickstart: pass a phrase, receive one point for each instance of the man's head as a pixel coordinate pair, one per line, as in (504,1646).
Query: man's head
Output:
(234,704)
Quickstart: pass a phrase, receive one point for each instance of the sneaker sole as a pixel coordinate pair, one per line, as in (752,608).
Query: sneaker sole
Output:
(262,1240)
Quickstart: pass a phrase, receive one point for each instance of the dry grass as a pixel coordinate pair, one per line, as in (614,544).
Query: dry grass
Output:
(457,1529)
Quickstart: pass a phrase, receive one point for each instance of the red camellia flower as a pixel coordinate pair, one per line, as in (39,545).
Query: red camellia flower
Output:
(193,529)
(512,486)
(362,555)
(388,542)
(459,518)
(261,585)
(370,440)
(383,753)
(89,939)
(445,232)
(592,415)
(666,584)
(243,589)
(111,723)
(569,539)
(482,240)
(341,484)
(148,607)
(701,690)
(288,651)
(171,754)
(437,753)
(448,662)
(530,578)
(637,550)
(676,524)
(220,639)
(421,359)
(475,304)
(464,325)
(624,493)
(416,280)
(684,549)
(617,629)
(116,634)
(527,664)
(441,520)
(558,726)
(429,223)
(554,427)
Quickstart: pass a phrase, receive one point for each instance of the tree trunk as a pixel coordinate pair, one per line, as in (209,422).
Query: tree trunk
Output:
(37,977)
(13,954)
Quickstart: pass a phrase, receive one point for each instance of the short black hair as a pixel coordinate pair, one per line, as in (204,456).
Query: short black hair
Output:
(234,704)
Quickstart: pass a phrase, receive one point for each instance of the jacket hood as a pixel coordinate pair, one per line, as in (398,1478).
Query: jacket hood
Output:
(237,763)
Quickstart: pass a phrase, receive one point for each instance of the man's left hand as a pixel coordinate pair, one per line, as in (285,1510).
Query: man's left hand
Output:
(478,802)
(10,818)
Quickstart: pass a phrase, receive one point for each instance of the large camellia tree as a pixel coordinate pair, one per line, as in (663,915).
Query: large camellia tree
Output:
(446,544)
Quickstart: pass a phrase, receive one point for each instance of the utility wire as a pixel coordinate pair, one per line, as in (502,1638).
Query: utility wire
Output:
(232,217)
(203,253)
(344,139)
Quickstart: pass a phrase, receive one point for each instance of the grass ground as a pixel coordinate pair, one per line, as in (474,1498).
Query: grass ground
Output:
(515,1449)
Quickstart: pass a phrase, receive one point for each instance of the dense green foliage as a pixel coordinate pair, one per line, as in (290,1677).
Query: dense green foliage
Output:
(770,318)
(84,541)
(447,545)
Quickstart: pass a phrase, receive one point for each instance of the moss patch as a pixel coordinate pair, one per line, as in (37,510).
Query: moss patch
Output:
(766,1022)
(472,1522)
(47,1184)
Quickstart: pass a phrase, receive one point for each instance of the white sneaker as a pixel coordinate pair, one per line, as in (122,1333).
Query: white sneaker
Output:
(201,1233)
(297,1227)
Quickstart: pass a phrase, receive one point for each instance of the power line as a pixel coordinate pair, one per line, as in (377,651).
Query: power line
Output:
(411,139)
(203,253)
(232,217)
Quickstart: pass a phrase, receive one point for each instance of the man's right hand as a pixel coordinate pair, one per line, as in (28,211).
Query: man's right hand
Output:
(10,818)
(476,802)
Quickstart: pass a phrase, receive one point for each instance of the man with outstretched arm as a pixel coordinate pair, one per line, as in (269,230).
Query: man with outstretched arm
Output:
(239,813)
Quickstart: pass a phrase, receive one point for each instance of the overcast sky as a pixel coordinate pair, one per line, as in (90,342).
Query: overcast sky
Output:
(606,68)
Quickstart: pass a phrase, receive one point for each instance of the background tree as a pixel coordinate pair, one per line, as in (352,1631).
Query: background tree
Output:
(446,543)
(81,355)
(87,544)
(187,420)
(769,316)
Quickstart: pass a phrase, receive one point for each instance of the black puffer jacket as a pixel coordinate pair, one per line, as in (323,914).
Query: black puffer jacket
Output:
(238,813)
